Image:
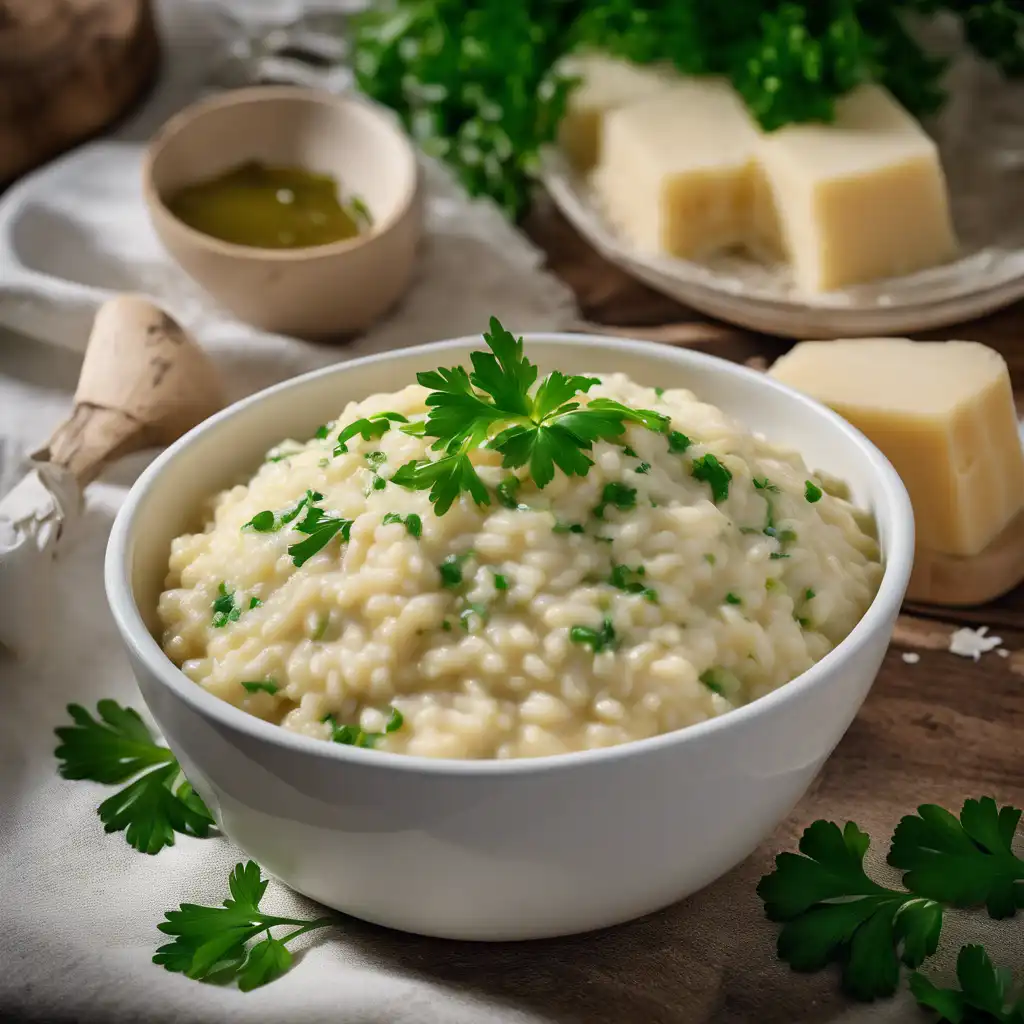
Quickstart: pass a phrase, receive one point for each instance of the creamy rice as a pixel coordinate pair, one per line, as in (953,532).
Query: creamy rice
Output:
(492,666)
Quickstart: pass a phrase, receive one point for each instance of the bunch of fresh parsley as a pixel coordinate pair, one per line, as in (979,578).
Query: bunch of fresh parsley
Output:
(831,910)
(477,83)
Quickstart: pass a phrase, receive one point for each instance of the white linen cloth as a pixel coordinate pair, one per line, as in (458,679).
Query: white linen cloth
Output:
(80,908)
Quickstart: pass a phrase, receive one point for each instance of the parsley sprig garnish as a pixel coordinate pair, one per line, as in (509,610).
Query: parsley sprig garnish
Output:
(497,405)
(117,746)
(832,910)
(209,943)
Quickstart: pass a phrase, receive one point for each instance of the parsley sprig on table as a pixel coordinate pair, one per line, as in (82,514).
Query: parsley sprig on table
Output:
(832,910)
(496,405)
(210,943)
(964,862)
(984,996)
(117,746)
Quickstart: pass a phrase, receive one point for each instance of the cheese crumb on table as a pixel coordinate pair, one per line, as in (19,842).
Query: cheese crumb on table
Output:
(678,172)
(973,643)
(861,198)
(942,412)
(911,657)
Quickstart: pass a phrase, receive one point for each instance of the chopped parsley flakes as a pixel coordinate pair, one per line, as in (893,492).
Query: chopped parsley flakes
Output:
(812,492)
(598,640)
(224,608)
(678,441)
(451,570)
(709,470)
(732,598)
(321,528)
(508,493)
(266,685)
(412,522)
(763,484)
(619,495)
(355,736)
(631,581)
(500,581)
(270,522)
(567,528)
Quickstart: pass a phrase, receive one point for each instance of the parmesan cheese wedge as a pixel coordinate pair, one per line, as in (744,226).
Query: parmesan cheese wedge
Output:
(605,84)
(678,172)
(942,412)
(859,199)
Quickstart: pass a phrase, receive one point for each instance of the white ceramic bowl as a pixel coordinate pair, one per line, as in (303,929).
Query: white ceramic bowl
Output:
(501,849)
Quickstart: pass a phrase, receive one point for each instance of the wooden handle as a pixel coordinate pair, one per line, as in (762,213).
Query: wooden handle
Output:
(144,382)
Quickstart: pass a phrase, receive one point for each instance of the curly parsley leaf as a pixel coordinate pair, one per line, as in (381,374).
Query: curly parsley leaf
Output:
(209,943)
(984,996)
(832,910)
(966,861)
(116,746)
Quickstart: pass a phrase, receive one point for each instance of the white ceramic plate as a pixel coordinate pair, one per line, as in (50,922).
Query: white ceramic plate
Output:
(981,138)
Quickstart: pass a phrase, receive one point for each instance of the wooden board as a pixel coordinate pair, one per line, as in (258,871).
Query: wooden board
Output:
(68,68)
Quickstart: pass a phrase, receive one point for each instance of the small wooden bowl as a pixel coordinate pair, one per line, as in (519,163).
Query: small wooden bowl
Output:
(314,292)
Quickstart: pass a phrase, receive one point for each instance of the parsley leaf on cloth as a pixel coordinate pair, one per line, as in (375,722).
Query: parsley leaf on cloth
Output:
(209,943)
(115,747)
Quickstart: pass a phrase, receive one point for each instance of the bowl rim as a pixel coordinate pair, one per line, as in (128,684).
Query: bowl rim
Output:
(895,505)
(173,128)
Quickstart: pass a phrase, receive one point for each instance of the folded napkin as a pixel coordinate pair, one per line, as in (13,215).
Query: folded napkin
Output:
(80,908)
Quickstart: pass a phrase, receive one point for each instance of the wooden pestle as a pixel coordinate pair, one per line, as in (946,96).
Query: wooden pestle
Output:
(144,382)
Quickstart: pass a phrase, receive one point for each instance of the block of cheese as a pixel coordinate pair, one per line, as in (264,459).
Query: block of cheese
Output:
(678,171)
(605,84)
(859,199)
(942,412)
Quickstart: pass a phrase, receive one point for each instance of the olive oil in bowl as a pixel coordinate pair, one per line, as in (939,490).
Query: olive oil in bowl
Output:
(270,208)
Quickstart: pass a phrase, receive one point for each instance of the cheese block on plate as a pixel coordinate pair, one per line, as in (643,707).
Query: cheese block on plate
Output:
(678,172)
(942,412)
(605,83)
(861,198)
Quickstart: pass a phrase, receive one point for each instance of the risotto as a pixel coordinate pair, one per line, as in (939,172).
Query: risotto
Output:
(691,569)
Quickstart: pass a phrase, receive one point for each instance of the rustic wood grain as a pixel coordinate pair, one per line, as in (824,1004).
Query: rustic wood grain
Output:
(68,68)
